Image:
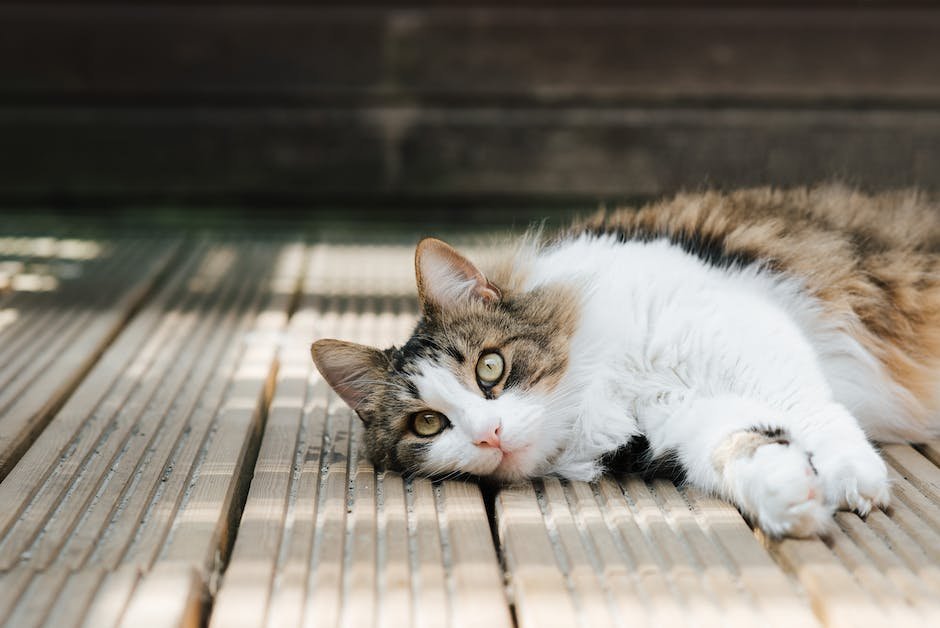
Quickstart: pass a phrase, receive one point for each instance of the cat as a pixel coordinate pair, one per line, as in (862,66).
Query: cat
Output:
(755,339)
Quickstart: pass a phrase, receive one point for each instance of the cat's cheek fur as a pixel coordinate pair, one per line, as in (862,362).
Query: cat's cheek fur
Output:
(526,438)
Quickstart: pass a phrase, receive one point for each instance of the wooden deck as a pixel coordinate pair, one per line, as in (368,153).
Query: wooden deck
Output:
(170,457)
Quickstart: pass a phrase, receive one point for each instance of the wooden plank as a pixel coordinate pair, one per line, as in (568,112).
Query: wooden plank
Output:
(494,56)
(198,356)
(426,153)
(836,597)
(916,515)
(325,580)
(590,589)
(105,307)
(479,598)
(682,570)
(36,601)
(243,597)
(931,450)
(13,583)
(316,437)
(875,563)
(112,597)
(215,140)
(146,419)
(652,151)
(323,600)
(202,526)
(74,601)
(672,55)
(359,571)
(50,294)
(27,332)
(394,562)
(774,593)
(169,596)
(156,506)
(906,549)
(713,567)
(200,516)
(903,489)
(871,578)
(663,601)
(140,468)
(87,413)
(539,588)
(623,586)
(429,586)
(289,594)
(916,469)
(84,435)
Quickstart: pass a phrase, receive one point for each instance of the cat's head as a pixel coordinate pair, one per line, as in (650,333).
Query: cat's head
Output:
(471,390)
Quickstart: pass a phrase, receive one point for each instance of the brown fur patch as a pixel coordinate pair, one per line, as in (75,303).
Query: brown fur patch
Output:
(530,330)
(743,444)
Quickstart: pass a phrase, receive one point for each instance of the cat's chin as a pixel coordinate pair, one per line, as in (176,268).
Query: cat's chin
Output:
(514,466)
(508,476)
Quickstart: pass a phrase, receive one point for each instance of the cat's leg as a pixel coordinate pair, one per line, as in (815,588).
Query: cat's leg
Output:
(853,474)
(743,450)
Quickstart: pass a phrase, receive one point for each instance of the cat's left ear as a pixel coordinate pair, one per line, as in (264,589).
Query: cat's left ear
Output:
(445,277)
(350,369)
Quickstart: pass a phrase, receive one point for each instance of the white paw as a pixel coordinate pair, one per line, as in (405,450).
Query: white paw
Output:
(778,487)
(854,476)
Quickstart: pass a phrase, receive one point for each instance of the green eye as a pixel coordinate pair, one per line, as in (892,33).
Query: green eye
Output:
(490,368)
(428,423)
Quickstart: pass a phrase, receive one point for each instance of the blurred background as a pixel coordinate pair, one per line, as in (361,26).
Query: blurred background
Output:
(450,110)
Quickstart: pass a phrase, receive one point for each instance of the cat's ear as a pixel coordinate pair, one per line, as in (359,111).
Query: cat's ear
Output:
(350,369)
(445,277)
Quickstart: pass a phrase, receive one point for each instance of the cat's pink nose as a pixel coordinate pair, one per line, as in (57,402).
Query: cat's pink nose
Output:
(490,439)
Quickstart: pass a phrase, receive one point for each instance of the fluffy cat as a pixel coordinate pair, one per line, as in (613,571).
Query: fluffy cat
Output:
(756,340)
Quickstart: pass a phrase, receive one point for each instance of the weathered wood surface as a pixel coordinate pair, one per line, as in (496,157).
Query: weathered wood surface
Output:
(202,472)
(67,300)
(480,55)
(292,101)
(142,467)
(436,153)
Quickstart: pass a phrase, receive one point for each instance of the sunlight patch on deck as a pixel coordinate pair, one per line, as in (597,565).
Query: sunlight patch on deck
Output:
(142,463)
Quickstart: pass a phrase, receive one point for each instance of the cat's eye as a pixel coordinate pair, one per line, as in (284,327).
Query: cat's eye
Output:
(490,368)
(428,423)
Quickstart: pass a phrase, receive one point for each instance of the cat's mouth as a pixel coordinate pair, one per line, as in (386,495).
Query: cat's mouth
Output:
(511,463)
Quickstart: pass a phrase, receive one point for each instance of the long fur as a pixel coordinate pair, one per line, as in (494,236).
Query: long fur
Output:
(759,339)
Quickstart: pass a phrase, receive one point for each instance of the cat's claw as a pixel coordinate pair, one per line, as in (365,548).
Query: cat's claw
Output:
(855,481)
(782,493)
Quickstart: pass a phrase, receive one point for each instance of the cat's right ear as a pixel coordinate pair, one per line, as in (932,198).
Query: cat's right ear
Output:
(445,277)
(350,369)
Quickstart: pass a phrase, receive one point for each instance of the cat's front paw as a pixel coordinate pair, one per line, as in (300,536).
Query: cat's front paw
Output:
(780,490)
(855,478)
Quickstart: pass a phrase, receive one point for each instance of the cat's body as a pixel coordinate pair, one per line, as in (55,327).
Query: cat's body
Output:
(749,338)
